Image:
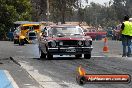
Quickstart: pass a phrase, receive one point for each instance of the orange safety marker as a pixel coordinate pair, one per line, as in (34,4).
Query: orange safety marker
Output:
(105,48)
(81,71)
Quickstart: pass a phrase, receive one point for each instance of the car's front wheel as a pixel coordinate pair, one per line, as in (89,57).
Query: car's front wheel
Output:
(49,56)
(87,56)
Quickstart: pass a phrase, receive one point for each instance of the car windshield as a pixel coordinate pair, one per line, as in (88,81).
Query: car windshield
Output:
(17,30)
(32,34)
(65,31)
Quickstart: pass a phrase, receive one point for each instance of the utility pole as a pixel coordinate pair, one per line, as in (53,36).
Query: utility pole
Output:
(47,12)
(96,20)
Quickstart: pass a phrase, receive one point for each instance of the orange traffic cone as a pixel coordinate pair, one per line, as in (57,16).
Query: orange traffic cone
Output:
(105,48)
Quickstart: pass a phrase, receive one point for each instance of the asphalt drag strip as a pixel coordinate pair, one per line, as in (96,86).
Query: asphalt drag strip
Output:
(61,72)
(13,76)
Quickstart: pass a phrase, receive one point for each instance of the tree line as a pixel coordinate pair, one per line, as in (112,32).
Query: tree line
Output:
(109,14)
(94,14)
(11,11)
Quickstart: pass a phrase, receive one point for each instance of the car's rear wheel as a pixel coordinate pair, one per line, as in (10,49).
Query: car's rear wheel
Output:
(78,55)
(49,56)
(87,56)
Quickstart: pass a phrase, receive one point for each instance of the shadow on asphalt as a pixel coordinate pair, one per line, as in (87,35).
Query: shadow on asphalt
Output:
(60,58)
(19,45)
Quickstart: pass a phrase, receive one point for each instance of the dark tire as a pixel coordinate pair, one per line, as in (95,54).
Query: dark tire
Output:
(42,55)
(81,80)
(87,56)
(49,56)
(78,55)
(93,38)
(16,41)
(25,41)
(21,42)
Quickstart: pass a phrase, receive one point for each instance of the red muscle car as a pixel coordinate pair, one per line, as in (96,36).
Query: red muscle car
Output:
(65,40)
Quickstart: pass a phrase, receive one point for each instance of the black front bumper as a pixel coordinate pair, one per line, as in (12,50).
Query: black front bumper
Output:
(70,50)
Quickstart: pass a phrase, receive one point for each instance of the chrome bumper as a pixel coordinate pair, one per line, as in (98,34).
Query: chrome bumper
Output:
(70,50)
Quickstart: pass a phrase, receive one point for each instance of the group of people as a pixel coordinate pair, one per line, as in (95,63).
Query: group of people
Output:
(126,37)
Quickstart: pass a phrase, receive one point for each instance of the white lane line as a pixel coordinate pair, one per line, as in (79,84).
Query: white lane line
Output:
(98,56)
(109,55)
(11,79)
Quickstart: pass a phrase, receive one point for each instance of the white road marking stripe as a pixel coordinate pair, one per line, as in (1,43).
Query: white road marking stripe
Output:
(108,56)
(11,79)
(98,56)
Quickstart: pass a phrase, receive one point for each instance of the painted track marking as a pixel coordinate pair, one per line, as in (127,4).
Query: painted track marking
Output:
(6,81)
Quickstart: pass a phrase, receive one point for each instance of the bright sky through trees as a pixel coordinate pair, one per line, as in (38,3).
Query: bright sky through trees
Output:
(96,1)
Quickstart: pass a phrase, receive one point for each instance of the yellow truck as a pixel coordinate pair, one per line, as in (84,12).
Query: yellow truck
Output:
(27,33)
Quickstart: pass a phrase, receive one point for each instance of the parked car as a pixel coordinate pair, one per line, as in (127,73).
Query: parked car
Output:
(96,35)
(65,40)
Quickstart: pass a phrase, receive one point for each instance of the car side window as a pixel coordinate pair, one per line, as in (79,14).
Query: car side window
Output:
(50,32)
(80,30)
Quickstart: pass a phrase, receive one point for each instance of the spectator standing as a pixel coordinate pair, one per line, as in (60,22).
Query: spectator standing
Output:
(126,33)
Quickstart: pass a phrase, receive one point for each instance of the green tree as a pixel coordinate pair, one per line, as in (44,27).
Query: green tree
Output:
(39,8)
(61,9)
(109,14)
(13,10)
(122,7)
